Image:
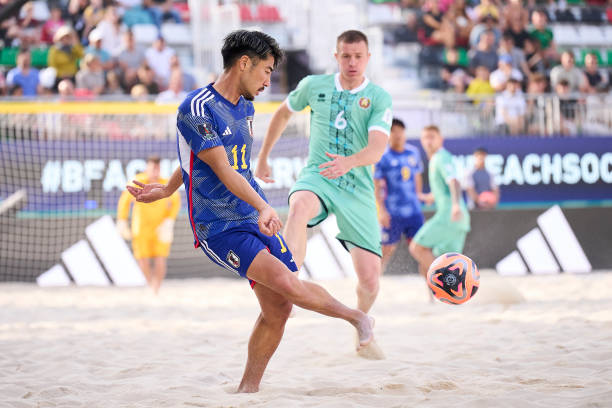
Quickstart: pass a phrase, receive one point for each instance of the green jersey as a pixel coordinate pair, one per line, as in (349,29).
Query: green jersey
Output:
(441,171)
(339,123)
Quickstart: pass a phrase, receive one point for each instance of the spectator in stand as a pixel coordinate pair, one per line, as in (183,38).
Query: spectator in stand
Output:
(506,46)
(76,11)
(457,22)
(519,34)
(487,23)
(139,92)
(536,104)
(52,25)
(113,85)
(486,8)
(158,57)
(500,77)
(189,82)
(146,78)
(93,14)
(543,34)
(435,30)
(129,60)
(91,75)
(46,79)
(111,31)
(533,57)
(24,75)
(64,53)
(480,183)
(485,54)
(510,109)
(166,13)
(175,92)
(65,89)
(596,79)
(514,12)
(452,73)
(29,27)
(567,71)
(480,86)
(95,47)
(568,106)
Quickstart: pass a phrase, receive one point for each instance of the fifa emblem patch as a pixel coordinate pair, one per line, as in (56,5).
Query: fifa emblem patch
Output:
(364,102)
(204,130)
(233,259)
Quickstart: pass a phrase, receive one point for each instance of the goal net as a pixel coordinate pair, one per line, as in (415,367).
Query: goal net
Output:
(64,166)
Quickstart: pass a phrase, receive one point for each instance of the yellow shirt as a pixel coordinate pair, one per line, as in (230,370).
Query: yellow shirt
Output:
(65,64)
(146,217)
(479,87)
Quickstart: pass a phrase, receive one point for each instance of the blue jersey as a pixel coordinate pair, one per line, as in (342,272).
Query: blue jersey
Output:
(206,119)
(398,170)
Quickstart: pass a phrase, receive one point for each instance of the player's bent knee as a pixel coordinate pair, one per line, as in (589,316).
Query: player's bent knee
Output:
(303,206)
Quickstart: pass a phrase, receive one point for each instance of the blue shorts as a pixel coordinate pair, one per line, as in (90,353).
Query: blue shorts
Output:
(400,225)
(236,248)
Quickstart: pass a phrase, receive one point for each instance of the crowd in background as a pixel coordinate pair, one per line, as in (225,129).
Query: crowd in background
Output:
(91,51)
(496,51)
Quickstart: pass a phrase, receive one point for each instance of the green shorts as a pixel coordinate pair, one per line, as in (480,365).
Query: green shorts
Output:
(355,213)
(441,237)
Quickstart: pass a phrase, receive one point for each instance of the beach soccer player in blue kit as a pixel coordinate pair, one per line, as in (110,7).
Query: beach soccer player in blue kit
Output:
(398,183)
(228,212)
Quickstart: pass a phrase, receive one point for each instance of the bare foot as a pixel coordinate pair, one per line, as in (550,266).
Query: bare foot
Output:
(247,389)
(364,331)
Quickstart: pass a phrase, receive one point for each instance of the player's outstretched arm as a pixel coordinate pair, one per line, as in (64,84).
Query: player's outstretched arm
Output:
(278,123)
(148,193)
(216,158)
(340,165)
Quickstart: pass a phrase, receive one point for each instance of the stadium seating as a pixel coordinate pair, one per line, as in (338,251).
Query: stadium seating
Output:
(176,34)
(145,33)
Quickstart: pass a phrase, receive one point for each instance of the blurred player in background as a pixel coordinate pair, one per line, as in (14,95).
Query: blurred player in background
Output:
(349,125)
(230,217)
(480,183)
(152,227)
(398,183)
(447,229)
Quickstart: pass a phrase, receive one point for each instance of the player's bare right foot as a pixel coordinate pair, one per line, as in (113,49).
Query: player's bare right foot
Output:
(365,330)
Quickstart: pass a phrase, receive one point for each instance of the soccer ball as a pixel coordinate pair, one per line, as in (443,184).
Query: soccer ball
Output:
(453,278)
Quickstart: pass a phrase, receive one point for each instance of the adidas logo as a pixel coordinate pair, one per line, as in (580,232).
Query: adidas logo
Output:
(227,131)
(550,248)
(102,259)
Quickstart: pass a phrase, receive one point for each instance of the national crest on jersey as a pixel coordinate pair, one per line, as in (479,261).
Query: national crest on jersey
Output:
(205,119)
(398,169)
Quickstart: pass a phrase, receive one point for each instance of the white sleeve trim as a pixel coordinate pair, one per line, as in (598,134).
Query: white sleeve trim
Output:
(291,108)
(380,129)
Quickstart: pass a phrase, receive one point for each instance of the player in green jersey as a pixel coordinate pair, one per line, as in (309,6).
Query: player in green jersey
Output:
(447,229)
(349,125)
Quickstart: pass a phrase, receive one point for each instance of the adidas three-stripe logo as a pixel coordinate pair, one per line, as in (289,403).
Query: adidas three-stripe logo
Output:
(227,131)
(551,247)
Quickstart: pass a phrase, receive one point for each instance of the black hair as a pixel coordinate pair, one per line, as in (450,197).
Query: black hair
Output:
(481,150)
(253,44)
(398,122)
(351,37)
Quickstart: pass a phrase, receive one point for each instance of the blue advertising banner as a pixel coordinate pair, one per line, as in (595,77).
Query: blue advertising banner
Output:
(87,175)
(542,170)
(76,176)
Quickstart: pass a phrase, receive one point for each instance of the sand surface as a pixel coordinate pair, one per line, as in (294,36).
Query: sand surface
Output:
(534,341)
